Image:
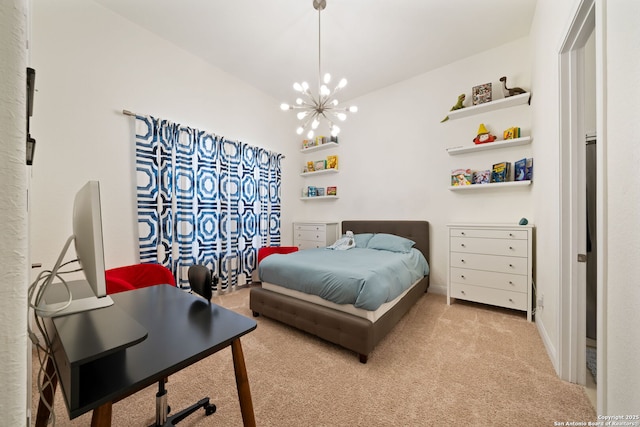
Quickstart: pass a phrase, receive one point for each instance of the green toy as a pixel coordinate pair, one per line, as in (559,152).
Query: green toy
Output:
(455,107)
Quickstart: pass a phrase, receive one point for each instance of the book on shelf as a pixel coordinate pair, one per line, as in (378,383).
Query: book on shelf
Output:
(320,165)
(332,191)
(501,172)
(529,171)
(482,177)
(523,169)
(332,162)
(460,177)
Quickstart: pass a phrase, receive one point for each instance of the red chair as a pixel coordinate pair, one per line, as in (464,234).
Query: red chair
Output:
(137,276)
(265,252)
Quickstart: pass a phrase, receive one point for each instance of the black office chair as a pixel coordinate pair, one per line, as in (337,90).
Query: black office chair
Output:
(201,282)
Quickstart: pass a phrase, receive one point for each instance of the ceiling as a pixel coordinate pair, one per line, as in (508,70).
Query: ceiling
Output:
(373,43)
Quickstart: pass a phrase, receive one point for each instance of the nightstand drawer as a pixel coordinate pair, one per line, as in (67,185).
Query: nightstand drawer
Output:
(515,300)
(502,264)
(309,227)
(489,233)
(489,279)
(507,247)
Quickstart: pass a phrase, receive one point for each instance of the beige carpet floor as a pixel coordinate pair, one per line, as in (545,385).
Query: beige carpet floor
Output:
(464,364)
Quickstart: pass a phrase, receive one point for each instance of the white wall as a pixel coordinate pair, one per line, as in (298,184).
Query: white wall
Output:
(13,214)
(92,64)
(393,160)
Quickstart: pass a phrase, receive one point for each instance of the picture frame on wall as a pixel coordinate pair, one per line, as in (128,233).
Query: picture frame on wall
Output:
(481,94)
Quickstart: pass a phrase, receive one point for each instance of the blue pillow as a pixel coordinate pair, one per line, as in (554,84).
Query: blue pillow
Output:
(390,242)
(362,239)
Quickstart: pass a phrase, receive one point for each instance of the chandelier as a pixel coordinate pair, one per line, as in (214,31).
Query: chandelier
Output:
(311,109)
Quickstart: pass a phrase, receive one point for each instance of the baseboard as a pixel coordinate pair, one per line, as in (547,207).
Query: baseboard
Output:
(548,345)
(437,289)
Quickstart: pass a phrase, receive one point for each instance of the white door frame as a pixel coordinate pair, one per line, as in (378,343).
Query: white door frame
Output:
(572,304)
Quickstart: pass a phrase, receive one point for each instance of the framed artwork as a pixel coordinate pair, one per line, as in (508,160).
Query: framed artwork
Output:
(481,94)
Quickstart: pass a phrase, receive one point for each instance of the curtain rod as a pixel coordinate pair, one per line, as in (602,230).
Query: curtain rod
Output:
(129,113)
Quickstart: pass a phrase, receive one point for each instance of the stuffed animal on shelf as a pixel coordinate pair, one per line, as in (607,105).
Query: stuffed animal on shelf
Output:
(456,107)
(483,135)
(510,91)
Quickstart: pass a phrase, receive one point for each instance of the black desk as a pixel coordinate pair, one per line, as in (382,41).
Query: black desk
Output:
(182,329)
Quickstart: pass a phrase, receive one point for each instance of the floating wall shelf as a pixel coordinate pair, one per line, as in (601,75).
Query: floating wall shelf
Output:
(498,104)
(320,172)
(491,185)
(454,151)
(318,197)
(320,147)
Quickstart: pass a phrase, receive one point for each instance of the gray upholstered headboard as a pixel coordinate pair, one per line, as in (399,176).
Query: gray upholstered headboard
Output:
(418,231)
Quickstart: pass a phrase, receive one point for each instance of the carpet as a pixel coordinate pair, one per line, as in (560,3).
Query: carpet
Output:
(463,364)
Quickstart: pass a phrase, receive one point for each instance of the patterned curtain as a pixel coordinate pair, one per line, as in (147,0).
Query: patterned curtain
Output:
(203,199)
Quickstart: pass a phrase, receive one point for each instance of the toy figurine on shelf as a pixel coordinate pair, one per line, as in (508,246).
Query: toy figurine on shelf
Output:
(510,91)
(456,107)
(483,135)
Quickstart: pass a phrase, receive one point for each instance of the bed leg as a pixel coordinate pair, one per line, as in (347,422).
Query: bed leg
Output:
(363,358)
(256,314)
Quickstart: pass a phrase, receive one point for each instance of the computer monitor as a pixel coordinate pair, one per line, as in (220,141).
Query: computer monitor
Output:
(87,237)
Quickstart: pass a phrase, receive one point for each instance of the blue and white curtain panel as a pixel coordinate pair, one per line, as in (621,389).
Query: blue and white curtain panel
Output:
(202,199)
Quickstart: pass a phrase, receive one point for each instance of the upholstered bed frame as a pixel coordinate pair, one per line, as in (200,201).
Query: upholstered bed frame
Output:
(352,332)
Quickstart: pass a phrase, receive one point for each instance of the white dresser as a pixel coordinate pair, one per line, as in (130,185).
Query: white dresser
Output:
(491,264)
(308,235)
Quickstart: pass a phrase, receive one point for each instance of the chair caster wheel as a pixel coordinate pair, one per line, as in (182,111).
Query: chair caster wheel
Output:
(210,409)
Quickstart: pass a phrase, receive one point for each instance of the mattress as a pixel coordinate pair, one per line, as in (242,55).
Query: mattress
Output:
(372,316)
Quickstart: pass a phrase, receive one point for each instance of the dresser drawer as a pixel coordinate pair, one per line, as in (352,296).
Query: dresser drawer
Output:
(316,236)
(489,233)
(515,300)
(489,279)
(309,227)
(502,264)
(507,247)
(310,244)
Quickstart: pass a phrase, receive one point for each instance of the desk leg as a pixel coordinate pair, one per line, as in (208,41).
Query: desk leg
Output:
(101,416)
(42,416)
(242,382)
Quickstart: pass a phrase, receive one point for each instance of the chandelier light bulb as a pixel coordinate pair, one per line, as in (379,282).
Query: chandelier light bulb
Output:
(335,102)
(341,116)
(284,107)
(300,130)
(342,83)
(310,134)
(353,109)
(324,90)
(327,78)
(335,130)
(301,115)
(297,87)
(314,124)
(299,101)
(305,86)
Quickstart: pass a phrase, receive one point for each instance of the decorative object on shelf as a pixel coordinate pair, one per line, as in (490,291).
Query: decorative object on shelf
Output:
(510,91)
(458,106)
(483,135)
(481,177)
(332,191)
(310,167)
(461,177)
(519,170)
(511,133)
(529,171)
(312,109)
(523,221)
(481,94)
(320,165)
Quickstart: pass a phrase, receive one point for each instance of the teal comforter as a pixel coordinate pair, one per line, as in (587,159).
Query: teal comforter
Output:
(365,278)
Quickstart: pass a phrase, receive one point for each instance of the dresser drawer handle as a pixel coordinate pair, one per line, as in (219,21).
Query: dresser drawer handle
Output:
(510,234)
(462,244)
(510,300)
(510,282)
(462,276)
(462,292)
(461,260)
(462,233)
(510,248)
(511,265)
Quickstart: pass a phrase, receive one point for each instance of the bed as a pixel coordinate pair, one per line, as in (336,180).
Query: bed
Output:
(353,328)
